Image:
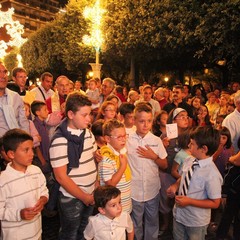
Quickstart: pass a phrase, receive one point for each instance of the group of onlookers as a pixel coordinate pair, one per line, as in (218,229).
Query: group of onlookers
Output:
(123,141)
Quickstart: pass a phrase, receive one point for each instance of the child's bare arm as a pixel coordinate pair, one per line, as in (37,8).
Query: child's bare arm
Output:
(174,171)
(171,191)
(130,236)
(183,201)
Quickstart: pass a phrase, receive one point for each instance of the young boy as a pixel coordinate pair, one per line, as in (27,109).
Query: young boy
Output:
(23,191)
(40,111)
(71,155)
(93,93)
(113,169)
(111,222)
(126,113)
(146,154)
(199,187)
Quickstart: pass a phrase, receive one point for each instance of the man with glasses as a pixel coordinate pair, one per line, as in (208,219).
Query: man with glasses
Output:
(107,88)
(12,113)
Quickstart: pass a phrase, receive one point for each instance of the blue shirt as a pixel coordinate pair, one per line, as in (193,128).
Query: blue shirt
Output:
(205,183)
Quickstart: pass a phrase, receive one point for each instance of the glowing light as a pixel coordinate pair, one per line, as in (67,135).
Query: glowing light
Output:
(94,15)
(19,59)
(166,79)
(13,28)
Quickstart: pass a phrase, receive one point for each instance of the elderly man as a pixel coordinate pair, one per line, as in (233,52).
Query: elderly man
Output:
(108,86)
(232,122)
(44,91)
(12,113)
(159,96)
(56,103)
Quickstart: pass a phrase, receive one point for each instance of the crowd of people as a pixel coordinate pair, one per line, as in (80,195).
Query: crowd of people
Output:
(113,161)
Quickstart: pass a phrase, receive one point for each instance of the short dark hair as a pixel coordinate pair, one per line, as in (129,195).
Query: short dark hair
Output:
(104,194)
(76,100)
(97,128)
(16,70)
(224,131)
(45,74)
(36,106)
(178,87)
(207,136)
(126,108)
(12,138)
(143,107)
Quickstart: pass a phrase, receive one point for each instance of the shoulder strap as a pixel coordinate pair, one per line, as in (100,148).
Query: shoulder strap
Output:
(42,93)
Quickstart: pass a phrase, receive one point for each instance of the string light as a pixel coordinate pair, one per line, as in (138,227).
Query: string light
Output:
(95,16)
(13,28)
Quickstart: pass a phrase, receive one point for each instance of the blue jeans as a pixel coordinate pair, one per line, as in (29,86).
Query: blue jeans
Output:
(145,216)
(74,216)
(182,232)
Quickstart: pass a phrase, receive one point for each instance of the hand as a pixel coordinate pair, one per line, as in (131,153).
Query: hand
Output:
(39,138)
(40,204)
(182,201)
(62,107)
(97,156)
(28,213)
(88,199)
(146,153)
(165,142)
(171,191)
(123,160)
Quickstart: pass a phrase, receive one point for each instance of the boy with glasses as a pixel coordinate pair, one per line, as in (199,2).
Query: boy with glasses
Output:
(113,169)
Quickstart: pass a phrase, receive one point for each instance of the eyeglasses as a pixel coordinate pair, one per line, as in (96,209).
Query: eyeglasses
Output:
(119,138)
(182,118)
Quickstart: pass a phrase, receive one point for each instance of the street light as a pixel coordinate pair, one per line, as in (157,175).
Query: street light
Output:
(95,39)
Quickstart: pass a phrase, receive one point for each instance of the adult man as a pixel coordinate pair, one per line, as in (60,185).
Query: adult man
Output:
(232,122)
(44,91)
(56,103)
(147,97)
(12,114)
(159,96)
(108,86)
(177,101)
(19,76)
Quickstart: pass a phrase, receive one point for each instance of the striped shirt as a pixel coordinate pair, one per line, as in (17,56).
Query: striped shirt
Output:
(20,190)
(85,175)
(106,168)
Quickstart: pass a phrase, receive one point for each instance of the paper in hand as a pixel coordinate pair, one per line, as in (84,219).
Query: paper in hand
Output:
(172,130)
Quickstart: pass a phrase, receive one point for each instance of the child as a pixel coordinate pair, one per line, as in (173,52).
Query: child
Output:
(93,93)
(107,111)
(97,131)
(23,191)
(126,113)
(113,169)
(199,187)
(72,158)
(146,154)
(231,199)
(111,222)
(224,151)
(203,118)
(183,142)
(40,111)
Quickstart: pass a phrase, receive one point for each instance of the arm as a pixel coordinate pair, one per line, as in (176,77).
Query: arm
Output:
(171,191)
(70,186)
(218,152)
(235,159)
(40,156)
(130,236)
(183,201)
(174,171)
(150,154)
(116,177)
